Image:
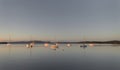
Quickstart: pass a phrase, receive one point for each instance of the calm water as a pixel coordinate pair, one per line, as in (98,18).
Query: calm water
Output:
(98,57)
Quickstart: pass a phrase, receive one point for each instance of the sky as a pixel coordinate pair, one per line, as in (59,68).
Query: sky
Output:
(60,20)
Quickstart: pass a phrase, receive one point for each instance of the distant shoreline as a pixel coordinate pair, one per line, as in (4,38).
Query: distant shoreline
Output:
(86,42)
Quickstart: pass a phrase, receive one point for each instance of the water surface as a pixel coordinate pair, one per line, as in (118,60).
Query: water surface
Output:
(98,57)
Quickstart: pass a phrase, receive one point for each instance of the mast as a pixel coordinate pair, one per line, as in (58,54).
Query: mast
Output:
(8,43)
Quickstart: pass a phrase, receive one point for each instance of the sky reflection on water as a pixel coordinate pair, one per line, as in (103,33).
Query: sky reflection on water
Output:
(18,57)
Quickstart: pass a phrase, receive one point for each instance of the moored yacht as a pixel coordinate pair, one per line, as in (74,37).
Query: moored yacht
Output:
(46,44)
(54,46)
(30,45)
(8,43)
(68,45)
(84,45)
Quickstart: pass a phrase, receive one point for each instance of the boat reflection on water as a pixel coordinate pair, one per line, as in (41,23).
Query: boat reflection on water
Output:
(18,57)
(115,45)
(30,46)
(9,46)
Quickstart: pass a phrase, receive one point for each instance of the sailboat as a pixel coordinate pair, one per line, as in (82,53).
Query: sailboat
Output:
(46,44)
(54,46)
(30,45)
(83,45)
(8,43)
(68,45)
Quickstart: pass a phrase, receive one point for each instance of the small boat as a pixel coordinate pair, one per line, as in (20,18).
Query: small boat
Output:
(83,46)
(54,46)
(91,45)
(8,43)
(27,45)
(68,45)
(30,45)
(46,44)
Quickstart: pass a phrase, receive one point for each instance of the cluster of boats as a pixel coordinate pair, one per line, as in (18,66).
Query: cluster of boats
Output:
(53,46)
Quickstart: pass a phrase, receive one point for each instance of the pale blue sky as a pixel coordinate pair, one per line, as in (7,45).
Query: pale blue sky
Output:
(65,20)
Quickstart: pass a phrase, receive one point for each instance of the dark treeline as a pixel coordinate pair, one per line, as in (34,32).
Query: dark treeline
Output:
(94,42)
(3,42)
(102,42)
(87,42)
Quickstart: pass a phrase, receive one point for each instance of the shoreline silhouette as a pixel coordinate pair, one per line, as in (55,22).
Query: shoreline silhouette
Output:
(60,42)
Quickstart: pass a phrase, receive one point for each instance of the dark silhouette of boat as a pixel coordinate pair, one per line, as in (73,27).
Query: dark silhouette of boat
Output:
(83,46)
(30,45)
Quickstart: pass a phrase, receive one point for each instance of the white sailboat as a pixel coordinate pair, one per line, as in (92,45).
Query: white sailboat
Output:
(68,45)
(46,44)
(8,43)
(83,45)
(54,46)
(31,44)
